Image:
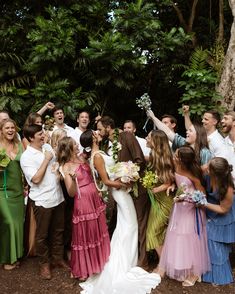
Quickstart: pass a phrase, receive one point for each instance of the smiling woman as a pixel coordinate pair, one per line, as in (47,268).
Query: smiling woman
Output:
(11,198)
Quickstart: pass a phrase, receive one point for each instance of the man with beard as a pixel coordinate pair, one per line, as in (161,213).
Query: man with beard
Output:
(228,127)
(130,151)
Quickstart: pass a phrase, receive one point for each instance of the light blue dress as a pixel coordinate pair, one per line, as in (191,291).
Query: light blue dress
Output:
(205,154)
(221,235)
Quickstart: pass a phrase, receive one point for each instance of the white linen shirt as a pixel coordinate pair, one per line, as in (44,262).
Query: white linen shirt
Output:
(231,160)
(76,136)
(217,145)
(69,131)
(48,192)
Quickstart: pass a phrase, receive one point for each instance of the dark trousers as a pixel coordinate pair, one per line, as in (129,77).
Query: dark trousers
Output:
(49,232)
(142,206)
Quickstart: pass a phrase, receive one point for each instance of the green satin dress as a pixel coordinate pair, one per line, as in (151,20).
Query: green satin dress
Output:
(160,210)
(11,211)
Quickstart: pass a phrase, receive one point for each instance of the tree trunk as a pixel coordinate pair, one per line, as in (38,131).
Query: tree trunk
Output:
(220,38)
(227,82)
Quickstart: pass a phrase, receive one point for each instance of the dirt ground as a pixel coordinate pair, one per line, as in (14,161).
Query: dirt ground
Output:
(25,280)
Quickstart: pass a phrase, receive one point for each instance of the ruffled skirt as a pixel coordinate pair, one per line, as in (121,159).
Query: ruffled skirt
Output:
(90,248)
(221,235)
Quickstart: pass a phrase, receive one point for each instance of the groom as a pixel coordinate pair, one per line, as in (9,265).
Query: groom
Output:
(130,151)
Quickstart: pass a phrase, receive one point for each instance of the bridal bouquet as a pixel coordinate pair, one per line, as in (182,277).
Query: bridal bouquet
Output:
(4,159)
(125,171)
(195,196)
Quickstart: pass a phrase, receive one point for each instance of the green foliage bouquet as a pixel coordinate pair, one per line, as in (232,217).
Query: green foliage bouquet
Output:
(4,159)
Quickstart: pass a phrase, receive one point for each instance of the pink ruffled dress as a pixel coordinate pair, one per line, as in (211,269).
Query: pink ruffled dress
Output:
(185,250)
(90,248)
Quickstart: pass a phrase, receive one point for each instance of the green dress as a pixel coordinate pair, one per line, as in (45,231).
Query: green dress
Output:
(161,206)
(11,211)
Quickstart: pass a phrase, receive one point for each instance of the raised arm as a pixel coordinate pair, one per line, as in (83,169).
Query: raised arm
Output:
(225,205)
(187,120)
(48,105)
(161,126)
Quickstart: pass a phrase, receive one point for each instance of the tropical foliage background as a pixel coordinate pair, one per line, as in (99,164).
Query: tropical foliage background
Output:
(101,55)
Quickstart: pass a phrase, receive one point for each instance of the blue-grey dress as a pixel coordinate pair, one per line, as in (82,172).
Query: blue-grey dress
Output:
(221,235)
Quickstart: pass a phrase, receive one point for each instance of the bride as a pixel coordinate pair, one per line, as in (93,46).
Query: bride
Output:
(120,274)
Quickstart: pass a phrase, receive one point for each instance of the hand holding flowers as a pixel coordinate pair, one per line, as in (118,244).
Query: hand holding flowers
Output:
(149,180)
(125,171)
(144,102)
(4,159)
(195,196)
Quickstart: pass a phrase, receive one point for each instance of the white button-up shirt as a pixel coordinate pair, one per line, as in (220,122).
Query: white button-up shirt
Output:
(69,131)
(48,192)
(217,145)
(76,136)
(231,149)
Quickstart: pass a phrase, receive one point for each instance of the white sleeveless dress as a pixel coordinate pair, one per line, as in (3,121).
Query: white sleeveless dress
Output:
(120,274)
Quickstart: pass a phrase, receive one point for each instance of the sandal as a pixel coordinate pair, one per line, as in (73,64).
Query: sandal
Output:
(191,282)
(9,267)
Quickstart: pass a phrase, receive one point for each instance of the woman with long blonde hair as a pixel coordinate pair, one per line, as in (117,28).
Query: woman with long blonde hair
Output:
(161,163)
(11,196)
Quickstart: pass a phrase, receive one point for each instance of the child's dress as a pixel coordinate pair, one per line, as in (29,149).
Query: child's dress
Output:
(90,246)
(221,235)
(185,251)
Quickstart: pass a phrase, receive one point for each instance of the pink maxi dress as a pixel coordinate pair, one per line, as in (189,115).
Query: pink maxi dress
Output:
(90,248)
(185,250)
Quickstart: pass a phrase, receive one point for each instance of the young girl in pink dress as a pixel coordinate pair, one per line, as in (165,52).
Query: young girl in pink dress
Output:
(185,254)
(90,246)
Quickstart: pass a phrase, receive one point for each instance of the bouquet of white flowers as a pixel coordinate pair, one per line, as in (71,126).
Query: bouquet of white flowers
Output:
(144,102)
(125,171)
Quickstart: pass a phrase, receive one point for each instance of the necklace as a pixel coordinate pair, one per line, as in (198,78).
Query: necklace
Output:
(116,146)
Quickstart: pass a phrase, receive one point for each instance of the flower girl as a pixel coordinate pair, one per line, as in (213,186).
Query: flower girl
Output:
(185,254)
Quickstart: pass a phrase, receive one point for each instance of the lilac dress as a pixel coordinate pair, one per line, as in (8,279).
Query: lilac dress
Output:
(185,249)
(90,248)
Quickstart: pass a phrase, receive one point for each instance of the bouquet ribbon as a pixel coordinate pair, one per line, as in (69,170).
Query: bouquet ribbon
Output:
(145,125)
(198,220)
(152,199)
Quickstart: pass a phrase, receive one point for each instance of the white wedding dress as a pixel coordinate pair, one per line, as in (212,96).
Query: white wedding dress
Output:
(120,274)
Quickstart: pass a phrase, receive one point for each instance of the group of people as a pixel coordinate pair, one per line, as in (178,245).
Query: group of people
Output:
(67,172)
